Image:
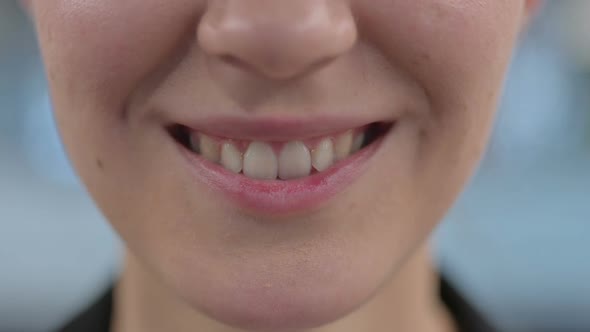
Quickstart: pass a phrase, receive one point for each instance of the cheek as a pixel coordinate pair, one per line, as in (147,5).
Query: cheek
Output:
(98,51)
(453,49)
(456,52)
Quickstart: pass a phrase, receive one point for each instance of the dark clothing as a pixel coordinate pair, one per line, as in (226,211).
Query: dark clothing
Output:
(98,316)
(467,318)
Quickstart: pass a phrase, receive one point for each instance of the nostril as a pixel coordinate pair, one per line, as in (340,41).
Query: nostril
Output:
(232,60)
(235,62)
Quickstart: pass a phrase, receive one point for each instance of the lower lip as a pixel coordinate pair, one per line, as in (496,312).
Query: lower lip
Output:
(277,197)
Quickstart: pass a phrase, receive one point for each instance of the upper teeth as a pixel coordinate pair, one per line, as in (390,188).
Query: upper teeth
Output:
(231,157)
(322,156)
(265,161)
(260,162)
(294,161)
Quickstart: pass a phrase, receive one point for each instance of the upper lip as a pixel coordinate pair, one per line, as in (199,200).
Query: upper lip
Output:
(276,127)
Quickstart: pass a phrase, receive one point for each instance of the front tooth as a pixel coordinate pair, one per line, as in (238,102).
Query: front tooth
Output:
(209,148)
(358,142)
(343,145)
(231,157)
(260,162)
(294,161)
(322,157)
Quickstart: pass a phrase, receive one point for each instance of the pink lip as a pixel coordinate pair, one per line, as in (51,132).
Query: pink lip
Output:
(278,197)
(277,128)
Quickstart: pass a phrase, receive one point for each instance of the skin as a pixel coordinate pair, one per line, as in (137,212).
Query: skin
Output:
(118,70)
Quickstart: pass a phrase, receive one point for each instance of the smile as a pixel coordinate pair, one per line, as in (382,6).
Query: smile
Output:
(279,160)
(277,176)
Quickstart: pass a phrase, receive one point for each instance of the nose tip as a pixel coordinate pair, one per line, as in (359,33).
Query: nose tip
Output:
(278,39)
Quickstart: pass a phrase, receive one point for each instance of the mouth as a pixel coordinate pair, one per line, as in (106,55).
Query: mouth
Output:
(277,176)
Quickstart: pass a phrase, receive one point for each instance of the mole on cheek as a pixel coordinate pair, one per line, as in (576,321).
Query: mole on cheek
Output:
(99,164)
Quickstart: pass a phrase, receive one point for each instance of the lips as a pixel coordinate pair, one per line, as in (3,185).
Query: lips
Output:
(266,172)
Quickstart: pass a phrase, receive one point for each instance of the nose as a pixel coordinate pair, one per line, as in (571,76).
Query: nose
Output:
(279,39)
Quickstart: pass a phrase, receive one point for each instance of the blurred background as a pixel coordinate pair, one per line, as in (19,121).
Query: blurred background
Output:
(517,243)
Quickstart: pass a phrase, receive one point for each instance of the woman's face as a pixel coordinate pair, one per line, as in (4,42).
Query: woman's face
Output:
(273,219)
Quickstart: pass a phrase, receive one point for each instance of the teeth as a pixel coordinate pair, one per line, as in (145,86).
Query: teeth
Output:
(322,157)
(231,158)
(357,143)
(294,161)
(260,162)
(209,148)
(343,145)
(194,143)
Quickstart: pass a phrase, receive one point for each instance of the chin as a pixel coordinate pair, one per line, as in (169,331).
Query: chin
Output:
(292,297)
(275,308)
